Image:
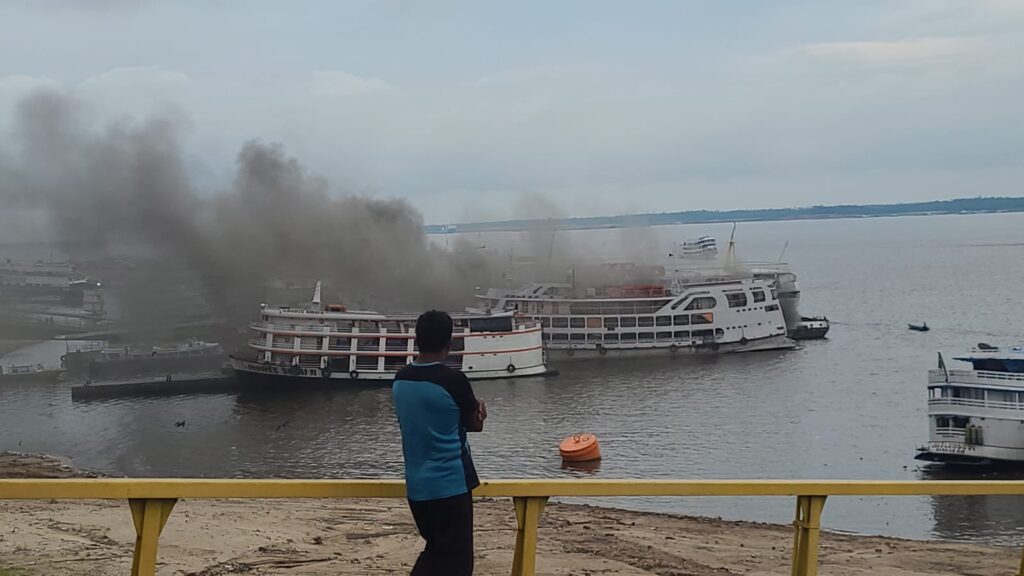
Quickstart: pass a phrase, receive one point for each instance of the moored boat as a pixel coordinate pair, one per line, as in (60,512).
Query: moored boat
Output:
(974,416)
(644,319)
(28,373)
(292,346)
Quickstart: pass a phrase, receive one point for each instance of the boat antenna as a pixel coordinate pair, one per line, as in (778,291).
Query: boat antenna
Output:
(783,251)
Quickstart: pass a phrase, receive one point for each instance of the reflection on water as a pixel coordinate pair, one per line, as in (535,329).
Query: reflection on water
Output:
(850,407)
(998,519)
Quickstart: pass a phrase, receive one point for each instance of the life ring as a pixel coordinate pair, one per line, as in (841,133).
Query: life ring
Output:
(295,370)
(154,353)
(511,368)
(673,348)
(714,345)
(321,320)
(325,372)
(570,352)
(354,374)
(602,350)
(743,341)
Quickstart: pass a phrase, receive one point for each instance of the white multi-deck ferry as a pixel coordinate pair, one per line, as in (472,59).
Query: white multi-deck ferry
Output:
(340,344)
(650,319)
(975,416)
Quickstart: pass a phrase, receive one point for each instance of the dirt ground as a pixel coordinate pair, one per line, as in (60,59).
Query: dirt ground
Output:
(322,537)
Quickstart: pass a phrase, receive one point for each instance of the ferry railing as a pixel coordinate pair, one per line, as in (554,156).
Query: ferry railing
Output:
(975,403)
(151,501)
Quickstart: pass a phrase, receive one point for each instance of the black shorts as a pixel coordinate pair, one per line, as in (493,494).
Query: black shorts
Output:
(447,526)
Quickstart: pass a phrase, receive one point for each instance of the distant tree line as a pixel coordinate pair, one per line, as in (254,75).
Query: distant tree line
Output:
(957,206)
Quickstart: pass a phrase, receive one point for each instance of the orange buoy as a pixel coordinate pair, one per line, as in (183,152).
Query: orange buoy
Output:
(580,448)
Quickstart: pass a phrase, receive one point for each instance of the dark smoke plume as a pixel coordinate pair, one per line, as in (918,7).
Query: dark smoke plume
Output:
(125,187)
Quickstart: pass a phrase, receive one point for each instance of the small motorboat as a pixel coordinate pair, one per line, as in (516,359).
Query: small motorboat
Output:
(922,327)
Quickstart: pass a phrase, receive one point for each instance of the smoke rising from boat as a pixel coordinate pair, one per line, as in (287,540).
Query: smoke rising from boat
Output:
(124,188)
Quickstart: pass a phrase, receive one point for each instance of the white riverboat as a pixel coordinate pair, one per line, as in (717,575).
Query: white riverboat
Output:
(292,344)
(976,416)
(629,320)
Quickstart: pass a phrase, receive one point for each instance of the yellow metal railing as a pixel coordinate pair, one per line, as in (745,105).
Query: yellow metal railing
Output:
(151,501)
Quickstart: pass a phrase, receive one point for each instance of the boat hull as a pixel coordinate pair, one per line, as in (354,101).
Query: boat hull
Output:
(250,372)
(584,352)
(948,452)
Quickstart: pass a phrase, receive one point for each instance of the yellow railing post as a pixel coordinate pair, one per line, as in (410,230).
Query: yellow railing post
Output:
(150,515)
(805,538)
(528,511)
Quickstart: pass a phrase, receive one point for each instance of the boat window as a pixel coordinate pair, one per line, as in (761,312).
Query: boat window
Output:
(593,337)
(681,320)
(399,344)
(559,322)
(702,303)
(775,294)
(771,307)
(758,295)
(394,363)
(627,337)
(611,323)
(559,336)
(339,363)
(941,422)
(1002,396)
(611,337)
(628,322)
(367,326)
(545,336)
(682,334)
(704,334)
(366,362)
(545,322)
(705,318)
(959,421)
(458,344)
(665,335)
(736,299)
(663,320)
(645,336)
(719,333)
(366,344)
(576,322)
(594,322)
(392,325)
(645,321)
(500,324)
(577,336)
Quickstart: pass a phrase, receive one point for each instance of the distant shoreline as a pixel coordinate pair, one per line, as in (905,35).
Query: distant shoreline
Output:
(999,205)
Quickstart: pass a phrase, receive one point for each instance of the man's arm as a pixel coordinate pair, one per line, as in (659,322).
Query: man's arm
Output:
(473,411)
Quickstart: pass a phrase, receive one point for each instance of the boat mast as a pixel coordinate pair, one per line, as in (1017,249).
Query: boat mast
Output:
(315,304)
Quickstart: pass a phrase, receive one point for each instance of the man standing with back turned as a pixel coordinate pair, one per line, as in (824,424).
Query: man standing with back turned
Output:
(436,407)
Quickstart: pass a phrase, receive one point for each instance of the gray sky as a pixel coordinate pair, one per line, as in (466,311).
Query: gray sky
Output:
(479,110)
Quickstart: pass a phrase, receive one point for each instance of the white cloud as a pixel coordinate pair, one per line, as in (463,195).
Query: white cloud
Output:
(909,52)
(335,83)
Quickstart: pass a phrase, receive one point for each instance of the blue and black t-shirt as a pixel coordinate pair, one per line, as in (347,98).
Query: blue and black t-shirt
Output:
(433,403)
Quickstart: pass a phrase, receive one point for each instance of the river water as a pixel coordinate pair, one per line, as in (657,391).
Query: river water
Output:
(852,406)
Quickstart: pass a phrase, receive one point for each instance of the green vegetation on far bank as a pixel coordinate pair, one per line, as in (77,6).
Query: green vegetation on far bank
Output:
(957,206)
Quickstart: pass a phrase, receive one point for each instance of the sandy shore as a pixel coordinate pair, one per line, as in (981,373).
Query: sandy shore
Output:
(320,537)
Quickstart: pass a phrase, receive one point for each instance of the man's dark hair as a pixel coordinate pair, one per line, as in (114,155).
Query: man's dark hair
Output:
(433,331)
